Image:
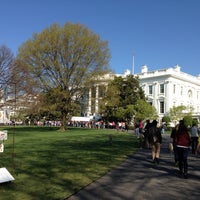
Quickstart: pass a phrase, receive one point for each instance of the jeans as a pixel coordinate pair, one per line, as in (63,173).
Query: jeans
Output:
(194,141)
(175,152)
(182,158)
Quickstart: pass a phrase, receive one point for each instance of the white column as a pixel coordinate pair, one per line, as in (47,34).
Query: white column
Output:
(155,96)
(97,100)
(89,102)
(167,96)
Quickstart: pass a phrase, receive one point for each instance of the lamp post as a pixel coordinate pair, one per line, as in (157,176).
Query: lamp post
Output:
(13,149)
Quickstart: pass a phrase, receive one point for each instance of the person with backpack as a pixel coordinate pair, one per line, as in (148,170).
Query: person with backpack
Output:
(182,141)
(146,133)
(155,140)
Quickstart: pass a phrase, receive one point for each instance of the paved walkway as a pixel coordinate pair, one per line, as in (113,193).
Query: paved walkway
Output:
(139,179)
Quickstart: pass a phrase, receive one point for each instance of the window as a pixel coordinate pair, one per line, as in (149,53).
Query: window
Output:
(174,89)
(162,108)
(189,93)
(93,90)
(102,90)
(162,88)
(150,89)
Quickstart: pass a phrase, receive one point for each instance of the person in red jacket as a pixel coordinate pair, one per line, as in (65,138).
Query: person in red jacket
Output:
(182,141)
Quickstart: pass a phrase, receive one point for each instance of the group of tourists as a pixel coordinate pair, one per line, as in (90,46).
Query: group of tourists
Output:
(150,136)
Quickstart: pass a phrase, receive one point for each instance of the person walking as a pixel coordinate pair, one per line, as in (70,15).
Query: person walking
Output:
(137,130)
(173,133)
(155,140)
(194,137)
(198,147)
(146,133)
(182,140)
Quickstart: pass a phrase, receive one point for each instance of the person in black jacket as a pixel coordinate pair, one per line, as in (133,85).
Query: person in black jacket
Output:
(155,139)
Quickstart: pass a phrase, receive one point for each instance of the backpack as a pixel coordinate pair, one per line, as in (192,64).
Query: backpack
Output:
(182,139)
(153,133)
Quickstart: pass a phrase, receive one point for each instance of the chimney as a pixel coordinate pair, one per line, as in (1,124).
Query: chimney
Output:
(144,69)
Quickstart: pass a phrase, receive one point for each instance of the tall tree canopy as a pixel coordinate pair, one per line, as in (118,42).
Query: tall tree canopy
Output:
(125,100)
(122,93)
(60,62)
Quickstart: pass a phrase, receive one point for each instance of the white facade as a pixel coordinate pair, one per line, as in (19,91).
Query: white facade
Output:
(170,87)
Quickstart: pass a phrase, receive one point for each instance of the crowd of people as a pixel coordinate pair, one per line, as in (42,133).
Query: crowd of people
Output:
(183,139)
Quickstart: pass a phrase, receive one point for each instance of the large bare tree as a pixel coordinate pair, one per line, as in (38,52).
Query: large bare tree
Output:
(6,64)
(62,61)
(6,61)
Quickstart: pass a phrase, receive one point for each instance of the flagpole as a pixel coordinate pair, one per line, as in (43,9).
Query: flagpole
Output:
(133,65)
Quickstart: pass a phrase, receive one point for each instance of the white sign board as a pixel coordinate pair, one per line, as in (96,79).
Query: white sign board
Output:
(3,135)
(5,176)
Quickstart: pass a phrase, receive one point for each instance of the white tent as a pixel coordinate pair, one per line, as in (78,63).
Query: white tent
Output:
(81,119)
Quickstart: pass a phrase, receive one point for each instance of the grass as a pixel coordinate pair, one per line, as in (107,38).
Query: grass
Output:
(48,164)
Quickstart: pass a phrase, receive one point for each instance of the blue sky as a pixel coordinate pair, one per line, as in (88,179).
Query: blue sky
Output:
(160,33)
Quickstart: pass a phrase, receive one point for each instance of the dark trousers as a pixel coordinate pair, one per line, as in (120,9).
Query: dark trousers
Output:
(182,158)
(194,141)
(175,152)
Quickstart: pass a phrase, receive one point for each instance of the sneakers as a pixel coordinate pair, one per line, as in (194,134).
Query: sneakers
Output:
(182,175)
(156,161)
(185,176)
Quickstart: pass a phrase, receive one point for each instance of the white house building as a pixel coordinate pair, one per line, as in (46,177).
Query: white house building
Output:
(170,87)
(163,88)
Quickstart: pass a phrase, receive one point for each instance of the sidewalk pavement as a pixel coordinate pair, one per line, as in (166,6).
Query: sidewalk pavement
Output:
(140,179)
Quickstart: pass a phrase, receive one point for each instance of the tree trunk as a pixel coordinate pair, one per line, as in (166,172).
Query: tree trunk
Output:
(63,126)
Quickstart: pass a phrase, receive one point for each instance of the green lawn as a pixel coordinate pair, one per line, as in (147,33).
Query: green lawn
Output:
(48,164)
